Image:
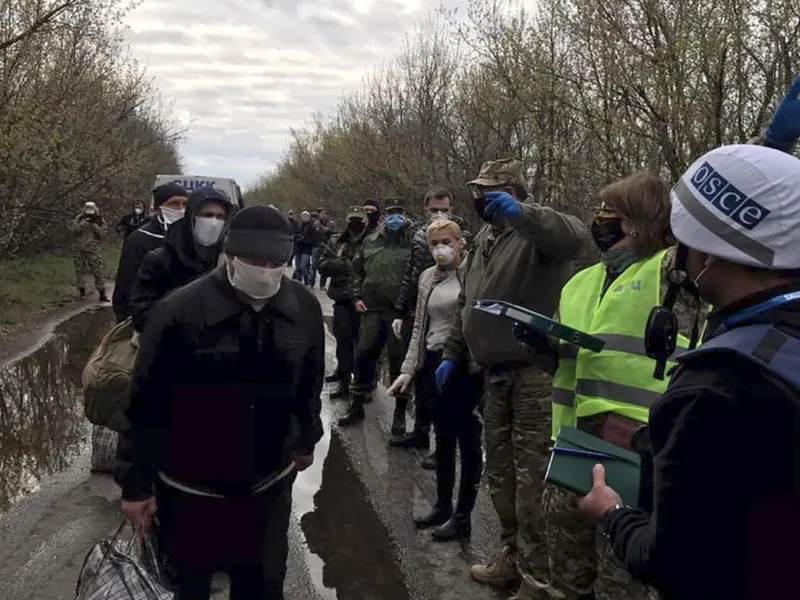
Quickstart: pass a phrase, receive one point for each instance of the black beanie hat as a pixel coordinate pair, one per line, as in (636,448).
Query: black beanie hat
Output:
(373,202)
(260,232)
(164,192)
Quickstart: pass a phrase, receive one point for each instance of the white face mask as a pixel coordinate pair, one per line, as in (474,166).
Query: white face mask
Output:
(443,255)
(171,215)
(439,216)
(258,283)
(138,211)
(207,230)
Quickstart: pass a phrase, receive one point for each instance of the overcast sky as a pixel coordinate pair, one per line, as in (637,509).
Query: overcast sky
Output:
(243,72)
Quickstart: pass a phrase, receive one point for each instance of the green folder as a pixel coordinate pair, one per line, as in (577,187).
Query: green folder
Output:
(574,473)
(540,323)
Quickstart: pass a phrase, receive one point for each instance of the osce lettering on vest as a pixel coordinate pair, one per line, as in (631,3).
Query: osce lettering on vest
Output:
(727,198)
(619,378)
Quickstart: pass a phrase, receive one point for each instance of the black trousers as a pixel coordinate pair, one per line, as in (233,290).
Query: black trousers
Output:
(244,537)
(345,330)
(456,426)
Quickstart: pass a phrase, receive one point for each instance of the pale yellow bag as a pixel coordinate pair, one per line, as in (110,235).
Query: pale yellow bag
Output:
(107,377)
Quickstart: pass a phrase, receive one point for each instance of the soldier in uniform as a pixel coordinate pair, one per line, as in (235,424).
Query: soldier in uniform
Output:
(89,229)
(524,255)
(377,274)
(335,263)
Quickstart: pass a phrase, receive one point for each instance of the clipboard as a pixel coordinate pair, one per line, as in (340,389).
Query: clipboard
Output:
(574,473)
(540,323)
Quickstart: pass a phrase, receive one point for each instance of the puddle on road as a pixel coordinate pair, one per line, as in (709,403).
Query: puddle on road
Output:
(352,545)
(42,425)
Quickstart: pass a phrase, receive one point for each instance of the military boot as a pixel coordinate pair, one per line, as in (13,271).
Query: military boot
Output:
(101,292)
(500,569)
(355,412)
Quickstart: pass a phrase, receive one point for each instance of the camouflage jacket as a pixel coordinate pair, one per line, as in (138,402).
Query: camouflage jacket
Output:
(420,260)
(379,266)
(336,262)
(88,233)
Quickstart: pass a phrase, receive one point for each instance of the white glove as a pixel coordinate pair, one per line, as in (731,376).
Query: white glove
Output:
(400,384)
(397,327)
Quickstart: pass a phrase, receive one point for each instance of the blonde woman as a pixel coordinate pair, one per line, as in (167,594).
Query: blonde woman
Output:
(452,407)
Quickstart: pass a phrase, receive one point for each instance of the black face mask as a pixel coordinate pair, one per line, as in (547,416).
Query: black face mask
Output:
(357,226)
(372,219)
(607,232)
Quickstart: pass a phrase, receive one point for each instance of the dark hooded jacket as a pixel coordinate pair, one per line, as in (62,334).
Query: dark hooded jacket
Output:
(134,249)
(720,480)
(224,395)
(177,262)
(131,221)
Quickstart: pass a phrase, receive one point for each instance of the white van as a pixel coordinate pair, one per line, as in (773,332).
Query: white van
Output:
(192,182)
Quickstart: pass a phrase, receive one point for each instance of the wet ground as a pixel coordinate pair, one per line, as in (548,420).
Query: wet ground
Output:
(352,537)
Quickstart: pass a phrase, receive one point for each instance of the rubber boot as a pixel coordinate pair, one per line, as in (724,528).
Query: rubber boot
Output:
(355,412)
(101,292)
(399,419)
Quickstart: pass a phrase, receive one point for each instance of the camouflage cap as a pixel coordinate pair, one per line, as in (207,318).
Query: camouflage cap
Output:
(394,203)
(495,173)
(356,212)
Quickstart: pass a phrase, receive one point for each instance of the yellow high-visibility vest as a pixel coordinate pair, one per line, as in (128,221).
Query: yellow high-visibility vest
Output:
(619,378)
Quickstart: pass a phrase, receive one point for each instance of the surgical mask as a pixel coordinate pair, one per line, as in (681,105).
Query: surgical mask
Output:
(137,211)
(207,230)
(258,283)
(439,216)
(443,255)
(395,223)
(607,232)
(171,215)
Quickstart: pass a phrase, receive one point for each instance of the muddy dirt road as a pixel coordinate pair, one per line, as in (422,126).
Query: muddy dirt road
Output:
(352,537)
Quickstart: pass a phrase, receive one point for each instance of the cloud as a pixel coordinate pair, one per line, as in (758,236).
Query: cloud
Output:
(241,73)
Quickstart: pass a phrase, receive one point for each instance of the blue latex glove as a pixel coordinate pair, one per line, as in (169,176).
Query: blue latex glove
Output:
(502,204)
(784,129)
(443,372)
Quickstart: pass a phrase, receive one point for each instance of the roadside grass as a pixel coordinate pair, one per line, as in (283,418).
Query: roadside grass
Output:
(31,284)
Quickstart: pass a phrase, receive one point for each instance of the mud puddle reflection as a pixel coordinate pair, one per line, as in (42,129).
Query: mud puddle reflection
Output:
(42,426)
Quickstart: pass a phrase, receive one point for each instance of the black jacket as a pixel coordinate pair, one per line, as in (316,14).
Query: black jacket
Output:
(175,263)
(130,223)
(134,249)
(421,259)
(723,480)
(224,395)
(306,238)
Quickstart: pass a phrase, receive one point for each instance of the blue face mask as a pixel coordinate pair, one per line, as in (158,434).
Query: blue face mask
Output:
(395,222)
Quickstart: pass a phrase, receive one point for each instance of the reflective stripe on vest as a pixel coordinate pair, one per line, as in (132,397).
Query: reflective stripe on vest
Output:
(619,378)
(763,344)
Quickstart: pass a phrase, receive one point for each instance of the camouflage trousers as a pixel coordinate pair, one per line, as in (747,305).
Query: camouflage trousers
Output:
(580,558)
(88,263)
(517,417)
